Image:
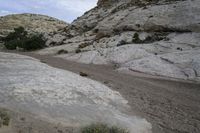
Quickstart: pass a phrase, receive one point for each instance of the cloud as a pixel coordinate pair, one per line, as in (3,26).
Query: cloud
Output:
(66,10)
(4,12)
(78,6)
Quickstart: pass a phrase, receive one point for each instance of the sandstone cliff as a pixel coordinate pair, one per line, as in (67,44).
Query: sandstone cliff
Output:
(159,37)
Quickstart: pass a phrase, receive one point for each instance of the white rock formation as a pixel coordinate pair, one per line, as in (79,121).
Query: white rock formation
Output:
(61,96)
(168,34)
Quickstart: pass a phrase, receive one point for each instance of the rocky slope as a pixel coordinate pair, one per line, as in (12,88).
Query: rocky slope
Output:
(159,37)
(59,96)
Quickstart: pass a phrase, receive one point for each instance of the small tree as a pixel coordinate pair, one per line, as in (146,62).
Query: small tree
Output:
(20,38)
(33,42)
(18,34)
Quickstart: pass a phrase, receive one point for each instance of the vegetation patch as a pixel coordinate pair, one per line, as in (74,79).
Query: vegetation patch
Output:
(83,45)
(77,51)
(121,43)
(4,118)
(62,51)
(102,128)
(20,39)
(150,39)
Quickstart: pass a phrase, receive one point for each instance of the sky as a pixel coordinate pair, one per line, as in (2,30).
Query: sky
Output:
(66,10)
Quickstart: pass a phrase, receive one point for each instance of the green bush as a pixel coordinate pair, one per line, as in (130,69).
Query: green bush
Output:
(12,44)
(149,39)
(136,38)
(4,117)
(18,34)
(33,42)
(19,38)
(77,51)
(102,128)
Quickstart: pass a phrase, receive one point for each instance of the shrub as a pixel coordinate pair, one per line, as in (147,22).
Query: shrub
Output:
(33,42)
(77,51)
(83,45)
(95,30)
(121,43)
(102,128)
(62,51)
(136,38)
(18,34)
(4,117)
(12,44)
(149,39)
(19,38)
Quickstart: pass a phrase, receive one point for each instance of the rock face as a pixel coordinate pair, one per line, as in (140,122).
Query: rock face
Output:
(61,96)
(159,37)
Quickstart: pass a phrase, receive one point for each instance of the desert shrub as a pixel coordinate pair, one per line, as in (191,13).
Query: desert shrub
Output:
(83,45)
(77,51)
(136,38)
(149,39)
(62,51)
(18,34)
(4,118)
(12,44)
(95,30)
(102,128)
(121,43)
(116,31)
(33,42)
(19,38)
(179,49)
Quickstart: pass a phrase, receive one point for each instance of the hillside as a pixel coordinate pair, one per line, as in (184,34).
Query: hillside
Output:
(158,37)
(33,22)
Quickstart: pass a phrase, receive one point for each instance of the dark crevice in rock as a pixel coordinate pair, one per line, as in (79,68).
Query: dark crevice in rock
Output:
(167,60)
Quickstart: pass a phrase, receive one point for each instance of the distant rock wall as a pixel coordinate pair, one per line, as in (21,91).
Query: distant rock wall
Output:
(149,36)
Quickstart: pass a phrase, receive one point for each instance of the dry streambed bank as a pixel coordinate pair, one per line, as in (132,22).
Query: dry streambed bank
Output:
(52,94)
(170,106)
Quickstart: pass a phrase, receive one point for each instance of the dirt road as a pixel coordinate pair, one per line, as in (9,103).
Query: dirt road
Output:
(171,106)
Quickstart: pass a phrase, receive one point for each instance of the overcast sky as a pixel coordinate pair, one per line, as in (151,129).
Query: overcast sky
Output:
(66,10)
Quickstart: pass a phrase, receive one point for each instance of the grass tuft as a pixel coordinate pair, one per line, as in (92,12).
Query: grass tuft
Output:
(102,128)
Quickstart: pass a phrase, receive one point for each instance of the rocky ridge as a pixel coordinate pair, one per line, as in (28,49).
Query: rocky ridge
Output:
(159,37)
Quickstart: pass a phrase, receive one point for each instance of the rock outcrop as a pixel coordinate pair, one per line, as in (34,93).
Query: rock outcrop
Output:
(159,37)
(27,85)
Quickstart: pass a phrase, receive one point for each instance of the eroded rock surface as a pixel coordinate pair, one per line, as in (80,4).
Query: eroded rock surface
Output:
(155,37)
(61,96)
